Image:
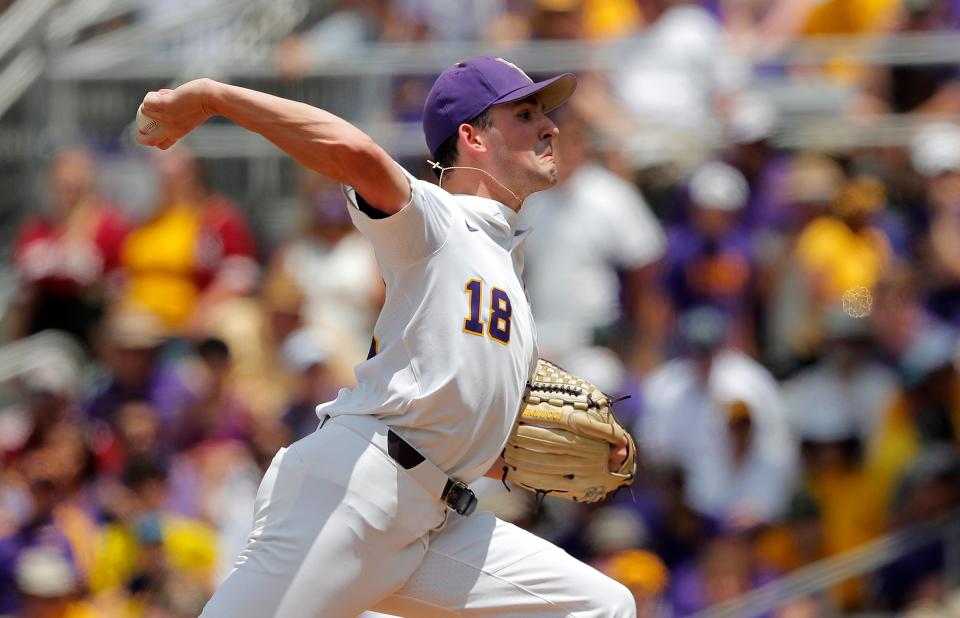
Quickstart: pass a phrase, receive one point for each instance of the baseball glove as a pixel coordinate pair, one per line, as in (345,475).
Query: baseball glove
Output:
(560,444)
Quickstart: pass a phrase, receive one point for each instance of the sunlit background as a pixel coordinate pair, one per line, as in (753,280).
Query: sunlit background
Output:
(756,236)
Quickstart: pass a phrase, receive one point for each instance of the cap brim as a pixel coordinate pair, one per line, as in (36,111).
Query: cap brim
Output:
(552,92)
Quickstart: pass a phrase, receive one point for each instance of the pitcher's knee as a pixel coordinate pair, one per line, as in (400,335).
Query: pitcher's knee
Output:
(612,599)
(622,603)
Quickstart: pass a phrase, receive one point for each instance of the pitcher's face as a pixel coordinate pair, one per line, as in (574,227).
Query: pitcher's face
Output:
(522,142)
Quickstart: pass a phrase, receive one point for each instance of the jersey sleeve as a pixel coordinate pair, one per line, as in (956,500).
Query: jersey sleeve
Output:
(417,231)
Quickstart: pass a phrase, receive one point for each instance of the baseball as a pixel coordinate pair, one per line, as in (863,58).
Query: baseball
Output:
(145,125)
(857,302)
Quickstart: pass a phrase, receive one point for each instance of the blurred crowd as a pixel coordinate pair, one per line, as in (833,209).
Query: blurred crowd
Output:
(785,322)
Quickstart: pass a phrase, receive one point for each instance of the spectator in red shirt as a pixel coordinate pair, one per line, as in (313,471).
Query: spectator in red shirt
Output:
(65,252)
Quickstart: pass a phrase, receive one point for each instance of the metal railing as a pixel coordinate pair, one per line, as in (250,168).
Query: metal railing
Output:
(50,349)
(534,56)
(60,88)
(113,66)
(19,22)
(811,111)
(869,557)
(18,28)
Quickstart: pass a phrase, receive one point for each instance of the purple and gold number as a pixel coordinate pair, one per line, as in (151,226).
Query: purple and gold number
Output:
(472,324)
(500,314)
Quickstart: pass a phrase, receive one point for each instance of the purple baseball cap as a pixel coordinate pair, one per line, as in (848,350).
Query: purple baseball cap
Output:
(467,88)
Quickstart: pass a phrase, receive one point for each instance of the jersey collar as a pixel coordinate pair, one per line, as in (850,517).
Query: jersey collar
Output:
(499,221)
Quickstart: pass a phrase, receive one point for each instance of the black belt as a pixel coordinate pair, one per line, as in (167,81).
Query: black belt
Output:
(455,494)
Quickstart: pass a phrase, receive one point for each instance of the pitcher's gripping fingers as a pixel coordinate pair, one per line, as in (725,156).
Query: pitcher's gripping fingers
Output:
(177,112)
(619,453)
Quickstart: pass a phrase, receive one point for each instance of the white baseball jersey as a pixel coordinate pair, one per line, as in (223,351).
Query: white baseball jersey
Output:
(339,526)
(455,341)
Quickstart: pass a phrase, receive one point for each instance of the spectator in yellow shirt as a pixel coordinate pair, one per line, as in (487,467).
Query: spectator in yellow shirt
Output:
(194,251)
(843,250)
(926,413)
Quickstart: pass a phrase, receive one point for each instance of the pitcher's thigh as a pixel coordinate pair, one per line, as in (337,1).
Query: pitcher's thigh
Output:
(317,548)
(481,566)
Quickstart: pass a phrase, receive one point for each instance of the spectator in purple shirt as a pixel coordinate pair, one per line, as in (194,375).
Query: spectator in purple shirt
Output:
(42,527)
(727,568)
(749,124)
(214,412)
(132,349)
(709,258)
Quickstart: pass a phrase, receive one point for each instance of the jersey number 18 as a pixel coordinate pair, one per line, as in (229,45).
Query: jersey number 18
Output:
(498,326)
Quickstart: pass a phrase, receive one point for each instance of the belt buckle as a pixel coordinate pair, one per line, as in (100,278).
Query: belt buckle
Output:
(459,497)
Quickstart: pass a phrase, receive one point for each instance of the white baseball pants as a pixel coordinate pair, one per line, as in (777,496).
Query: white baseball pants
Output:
(340,527)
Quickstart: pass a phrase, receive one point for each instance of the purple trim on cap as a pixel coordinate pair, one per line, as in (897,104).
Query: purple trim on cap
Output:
(466,89)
